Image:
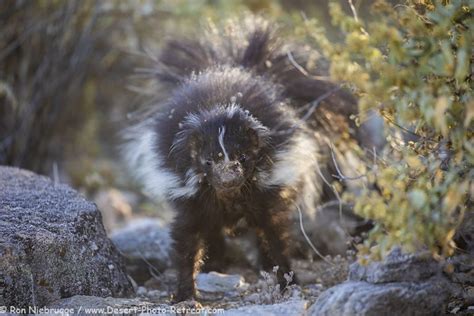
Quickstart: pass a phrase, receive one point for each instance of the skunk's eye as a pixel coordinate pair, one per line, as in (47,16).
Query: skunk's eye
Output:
(208,162)
(242,158)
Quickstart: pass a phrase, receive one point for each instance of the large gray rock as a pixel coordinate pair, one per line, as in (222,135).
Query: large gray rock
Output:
(463,269)
(397,267)
(402,284)
(80,304)
(92,305)
(293,307)
(146,245)
(465,233)
(53,243)
(404,298)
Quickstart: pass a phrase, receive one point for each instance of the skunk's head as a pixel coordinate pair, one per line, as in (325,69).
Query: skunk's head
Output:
(222,145)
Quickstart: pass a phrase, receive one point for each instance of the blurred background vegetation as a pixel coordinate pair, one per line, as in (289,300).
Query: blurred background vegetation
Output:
(67,84)
(66,68)
(68,76)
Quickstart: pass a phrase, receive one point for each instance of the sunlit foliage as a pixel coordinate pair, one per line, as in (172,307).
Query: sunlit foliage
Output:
(412,64)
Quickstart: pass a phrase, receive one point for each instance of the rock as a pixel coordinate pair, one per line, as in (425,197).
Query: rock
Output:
(79,304)
(402,284)
(313,290)
(370,133)
(463,269)
(92,305)
(402,298)
(214,282)
(146,245)
(141,291)
(53,243)
(464,237)
(396,267)
(461,272)
(330,272)
(292,307)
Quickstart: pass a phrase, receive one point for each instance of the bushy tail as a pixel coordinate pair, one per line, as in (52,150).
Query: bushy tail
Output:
(248,43)
(253,43)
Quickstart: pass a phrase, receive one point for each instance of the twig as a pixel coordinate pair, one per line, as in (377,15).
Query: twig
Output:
(7,91)
(374,150)
(307,238)
(331,203)
(353,9)
(155,273)
(336,194)
(339,175)
(356,17)
(312,107)
(314,104)
(296,65)
(406,129)
(151,267)
(303,70)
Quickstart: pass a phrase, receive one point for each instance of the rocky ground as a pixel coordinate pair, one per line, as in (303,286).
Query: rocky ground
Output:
(56,256)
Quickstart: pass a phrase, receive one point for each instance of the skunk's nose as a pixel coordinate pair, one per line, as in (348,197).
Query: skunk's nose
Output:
(234,166)
(228,174)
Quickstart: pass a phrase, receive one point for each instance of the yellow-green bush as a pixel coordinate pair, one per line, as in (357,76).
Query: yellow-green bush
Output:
(413,64)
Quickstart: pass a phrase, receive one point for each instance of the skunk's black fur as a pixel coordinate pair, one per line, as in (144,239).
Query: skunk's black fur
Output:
(228,144)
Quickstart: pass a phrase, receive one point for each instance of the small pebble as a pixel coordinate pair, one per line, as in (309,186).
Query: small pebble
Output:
(141,291)
(252,298)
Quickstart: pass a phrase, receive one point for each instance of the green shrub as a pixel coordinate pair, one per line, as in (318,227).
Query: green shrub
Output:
(413,64)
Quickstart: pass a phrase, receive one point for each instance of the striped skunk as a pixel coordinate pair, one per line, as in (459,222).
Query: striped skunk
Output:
(228,143)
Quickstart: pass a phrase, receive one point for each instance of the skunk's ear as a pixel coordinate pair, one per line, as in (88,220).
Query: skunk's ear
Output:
(257,135)
(253,137)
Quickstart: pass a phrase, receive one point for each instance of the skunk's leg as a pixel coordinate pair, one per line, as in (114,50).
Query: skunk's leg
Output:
(187,242)
(264,260)
(273,236)
(215,251)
